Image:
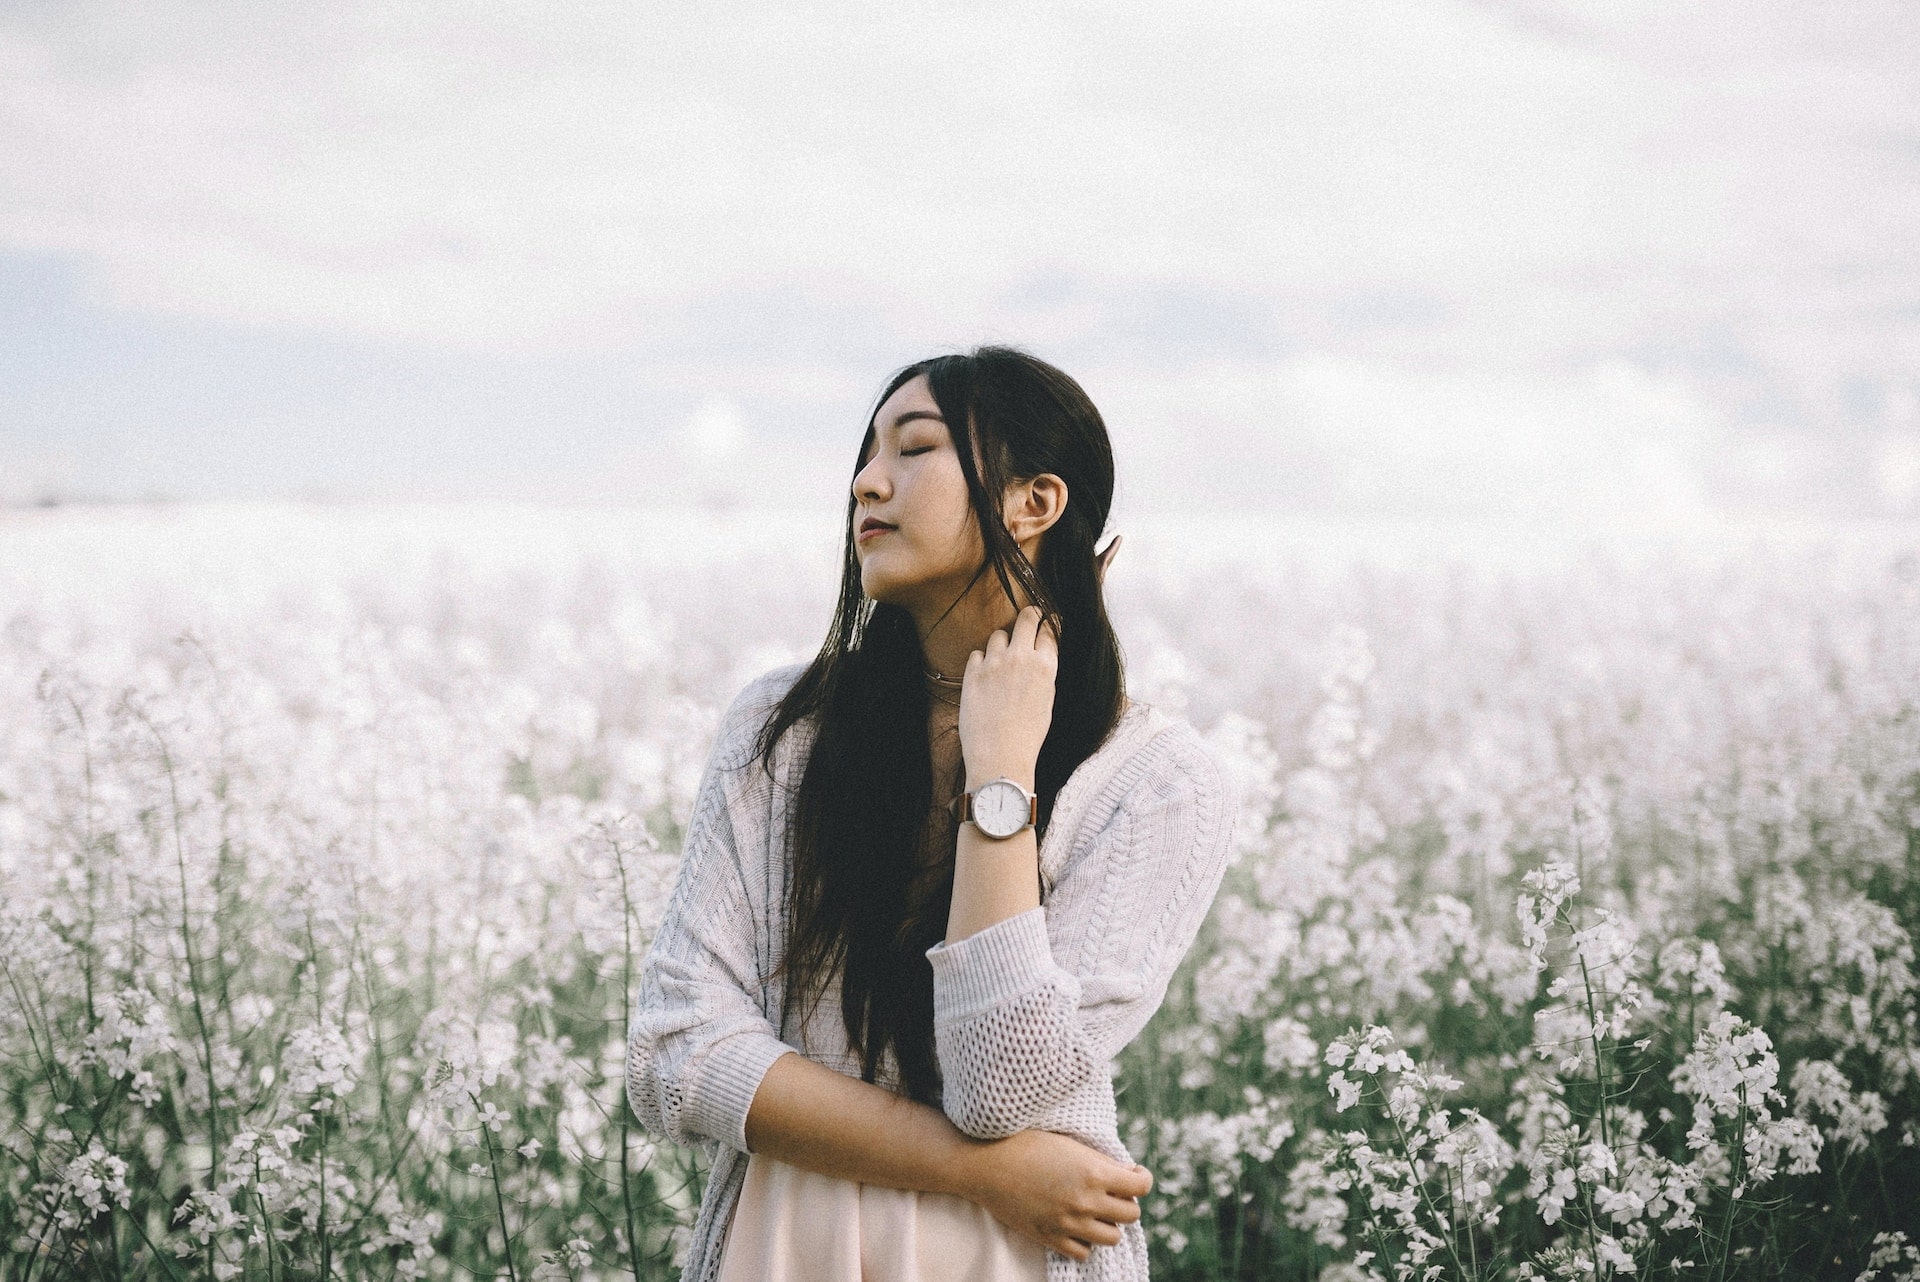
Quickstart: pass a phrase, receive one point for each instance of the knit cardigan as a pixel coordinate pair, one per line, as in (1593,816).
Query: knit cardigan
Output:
(1028,1012)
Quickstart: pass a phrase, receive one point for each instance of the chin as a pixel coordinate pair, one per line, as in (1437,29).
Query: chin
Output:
(886,589)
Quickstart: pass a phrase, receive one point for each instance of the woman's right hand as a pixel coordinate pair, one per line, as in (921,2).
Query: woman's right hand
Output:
(1064,1194)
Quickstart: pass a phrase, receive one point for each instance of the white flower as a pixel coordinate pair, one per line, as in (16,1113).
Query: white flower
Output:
(95,1180)
(1288,1046)
(1820,1089)
(319,1060)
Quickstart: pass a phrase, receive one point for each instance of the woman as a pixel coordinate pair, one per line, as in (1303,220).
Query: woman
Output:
(901,955)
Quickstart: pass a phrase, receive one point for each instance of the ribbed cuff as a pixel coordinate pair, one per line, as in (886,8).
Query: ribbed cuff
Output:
(991,966)
(730,1076)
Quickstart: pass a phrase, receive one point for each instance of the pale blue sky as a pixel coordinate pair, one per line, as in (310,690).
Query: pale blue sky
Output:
(1344,257)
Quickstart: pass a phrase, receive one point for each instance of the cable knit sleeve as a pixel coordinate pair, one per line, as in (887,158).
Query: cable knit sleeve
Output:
(699,1044)
(1026,1010)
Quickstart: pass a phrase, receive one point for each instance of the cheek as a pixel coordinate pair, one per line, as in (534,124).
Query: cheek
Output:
(955,502)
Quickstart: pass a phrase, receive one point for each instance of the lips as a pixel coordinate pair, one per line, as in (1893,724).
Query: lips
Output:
(871,524)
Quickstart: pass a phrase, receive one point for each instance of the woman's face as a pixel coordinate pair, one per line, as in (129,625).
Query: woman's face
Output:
(910,478)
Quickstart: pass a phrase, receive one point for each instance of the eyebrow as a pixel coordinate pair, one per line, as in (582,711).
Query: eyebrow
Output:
(911,415)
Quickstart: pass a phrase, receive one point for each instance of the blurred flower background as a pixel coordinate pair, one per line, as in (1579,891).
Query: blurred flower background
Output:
(416,423)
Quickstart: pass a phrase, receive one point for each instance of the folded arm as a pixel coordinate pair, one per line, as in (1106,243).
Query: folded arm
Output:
(704,1064)
(699,1043)
(810,1116)
(1047,1187)
(1018,1026)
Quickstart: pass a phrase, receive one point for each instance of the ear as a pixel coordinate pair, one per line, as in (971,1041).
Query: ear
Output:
(1105,559)
(1033,506)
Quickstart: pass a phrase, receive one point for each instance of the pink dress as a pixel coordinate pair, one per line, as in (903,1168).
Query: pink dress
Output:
(795,1225)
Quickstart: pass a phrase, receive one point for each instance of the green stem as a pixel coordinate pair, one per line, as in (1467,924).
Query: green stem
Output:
(626,1024)
(1593,1230)
(1733,1182)
(40,1243)
(266,1220)
(1413,1175)
(499,1199)
(193,966)
(1372,1221)
(159,1259)
(1599,1065)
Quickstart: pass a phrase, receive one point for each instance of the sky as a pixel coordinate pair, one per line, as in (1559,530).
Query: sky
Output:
(1627,261)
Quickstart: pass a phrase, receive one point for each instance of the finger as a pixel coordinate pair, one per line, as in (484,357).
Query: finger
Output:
(1047,639)
(1025,624)
(998,641)
(1073,1248)
(1097,1231)
(1118,1210)
(1133,1181)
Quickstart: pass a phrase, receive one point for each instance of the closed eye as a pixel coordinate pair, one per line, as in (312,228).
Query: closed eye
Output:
(924,449)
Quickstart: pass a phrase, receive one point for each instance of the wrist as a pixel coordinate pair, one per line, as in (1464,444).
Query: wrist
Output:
(965,1173)
(1022,775)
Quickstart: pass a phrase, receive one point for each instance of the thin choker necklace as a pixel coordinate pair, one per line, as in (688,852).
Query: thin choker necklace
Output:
(941,683)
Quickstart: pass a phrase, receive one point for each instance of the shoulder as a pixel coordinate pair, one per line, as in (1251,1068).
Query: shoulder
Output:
(1178,768)
(1165,817)
(767,689)
(741,723)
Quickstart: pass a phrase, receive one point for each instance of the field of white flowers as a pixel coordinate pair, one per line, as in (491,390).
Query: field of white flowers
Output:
(1570,933)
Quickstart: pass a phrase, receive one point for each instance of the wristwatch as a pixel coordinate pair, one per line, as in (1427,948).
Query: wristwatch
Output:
(999,808)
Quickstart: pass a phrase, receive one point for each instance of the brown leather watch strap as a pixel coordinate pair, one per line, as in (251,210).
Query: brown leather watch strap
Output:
(961,808)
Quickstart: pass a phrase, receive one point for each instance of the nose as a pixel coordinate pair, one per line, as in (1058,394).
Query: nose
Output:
(866,482)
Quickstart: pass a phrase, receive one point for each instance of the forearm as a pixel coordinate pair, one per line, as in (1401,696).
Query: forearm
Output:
(808,1115)
(993,880)
(1006,1026)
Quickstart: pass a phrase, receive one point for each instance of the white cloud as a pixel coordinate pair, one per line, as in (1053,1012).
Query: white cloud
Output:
(30,474)
(1327,436)
(524,176)
(1511,256)
(715,434)
(717,460)
(1897,467)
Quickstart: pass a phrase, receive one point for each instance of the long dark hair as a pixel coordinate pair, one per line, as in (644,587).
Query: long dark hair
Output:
(864,801)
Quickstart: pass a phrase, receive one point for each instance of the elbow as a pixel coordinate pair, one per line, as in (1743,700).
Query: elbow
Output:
(643,1088)
(995,1115)
(1010,1096)
(662,1059)
(697,1091)
(986,1124)
(648,1090)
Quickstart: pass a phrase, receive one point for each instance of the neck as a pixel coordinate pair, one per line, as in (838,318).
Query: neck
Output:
(946,645)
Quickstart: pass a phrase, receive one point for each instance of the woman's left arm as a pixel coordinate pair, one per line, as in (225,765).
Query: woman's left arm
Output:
(1027,1009)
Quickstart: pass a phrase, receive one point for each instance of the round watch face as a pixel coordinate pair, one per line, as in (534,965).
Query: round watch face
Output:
(1000,808)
